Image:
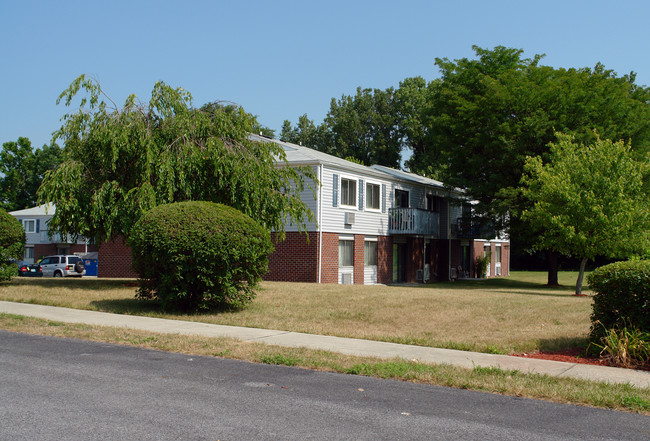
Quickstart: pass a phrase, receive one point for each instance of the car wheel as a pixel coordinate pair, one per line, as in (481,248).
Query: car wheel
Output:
(58,274)
(79,266)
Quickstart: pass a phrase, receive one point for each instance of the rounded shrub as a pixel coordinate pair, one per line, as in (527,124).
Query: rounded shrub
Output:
(199,255)
(622,298)
(12,241)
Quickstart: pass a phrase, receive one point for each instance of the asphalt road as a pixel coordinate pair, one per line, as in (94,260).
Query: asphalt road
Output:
(58,389)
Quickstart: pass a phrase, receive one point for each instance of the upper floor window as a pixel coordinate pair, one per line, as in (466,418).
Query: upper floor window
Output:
(401,198)
(29,225)
(373,202)
(348,192)
(433,203)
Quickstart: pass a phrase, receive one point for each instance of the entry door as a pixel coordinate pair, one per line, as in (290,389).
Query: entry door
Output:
(488,271)
(399,262)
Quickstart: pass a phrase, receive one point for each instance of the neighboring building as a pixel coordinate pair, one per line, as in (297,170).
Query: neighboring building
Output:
(373,225)
(380,225)
(37,241)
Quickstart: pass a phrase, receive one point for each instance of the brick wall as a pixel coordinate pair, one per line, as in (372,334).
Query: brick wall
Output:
(359,251)
(385,259)
(295,259)
(42,250)
(414,258)
(330,268)
(49,249)
(505,259)
(114,259)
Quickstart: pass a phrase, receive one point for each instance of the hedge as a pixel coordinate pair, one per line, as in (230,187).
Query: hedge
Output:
(622,297)
(199,255)
(12,243)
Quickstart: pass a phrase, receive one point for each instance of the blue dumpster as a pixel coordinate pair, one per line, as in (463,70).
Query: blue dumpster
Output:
(91,262)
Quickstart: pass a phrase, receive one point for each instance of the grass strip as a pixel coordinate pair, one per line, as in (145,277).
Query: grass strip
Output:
(492,380)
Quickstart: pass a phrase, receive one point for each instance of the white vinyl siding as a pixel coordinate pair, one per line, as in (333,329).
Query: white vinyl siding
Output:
(307,196)
(366,222)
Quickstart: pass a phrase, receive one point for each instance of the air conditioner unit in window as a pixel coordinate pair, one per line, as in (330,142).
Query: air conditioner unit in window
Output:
(349,218)
(346,279)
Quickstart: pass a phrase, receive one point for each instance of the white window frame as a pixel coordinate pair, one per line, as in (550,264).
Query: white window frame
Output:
(370,240)
(342,258)
(27,222)
(26,255)
(367,183)
(355,202)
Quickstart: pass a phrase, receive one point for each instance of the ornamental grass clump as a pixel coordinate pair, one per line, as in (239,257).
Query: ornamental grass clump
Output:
(625,347)
(194,256)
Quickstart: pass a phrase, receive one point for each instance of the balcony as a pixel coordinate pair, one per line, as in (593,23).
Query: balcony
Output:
(413,221)
(466,228)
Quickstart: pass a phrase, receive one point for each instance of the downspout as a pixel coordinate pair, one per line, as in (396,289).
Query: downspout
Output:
(449,239)
(320,219)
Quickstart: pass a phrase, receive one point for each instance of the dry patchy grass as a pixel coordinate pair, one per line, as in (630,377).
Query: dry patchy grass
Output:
(515,314)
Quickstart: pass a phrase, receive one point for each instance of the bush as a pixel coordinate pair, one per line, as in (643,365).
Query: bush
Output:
(12,242)
(482,263)
(622,297)
(199,255)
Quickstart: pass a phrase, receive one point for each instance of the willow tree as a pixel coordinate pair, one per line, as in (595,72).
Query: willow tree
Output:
(120,162)
(589,201)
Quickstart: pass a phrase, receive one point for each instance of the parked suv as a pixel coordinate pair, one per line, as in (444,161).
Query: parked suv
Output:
(62,266)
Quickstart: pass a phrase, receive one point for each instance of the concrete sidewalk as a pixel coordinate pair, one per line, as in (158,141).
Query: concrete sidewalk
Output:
(335,344)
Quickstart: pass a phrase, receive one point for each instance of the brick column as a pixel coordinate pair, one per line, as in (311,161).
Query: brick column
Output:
(358,259)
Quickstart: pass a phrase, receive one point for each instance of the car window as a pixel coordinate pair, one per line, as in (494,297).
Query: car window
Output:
(45,261)
(73,259)
(54,259)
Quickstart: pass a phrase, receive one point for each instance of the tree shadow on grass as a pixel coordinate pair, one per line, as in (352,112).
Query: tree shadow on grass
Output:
(132,306)
(135,306)
(538,293)
(495,284)
(563,343)
(74,283)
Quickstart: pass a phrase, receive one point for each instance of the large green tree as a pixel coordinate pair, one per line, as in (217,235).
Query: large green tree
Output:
(364,126)
(120,162)
(485,116)
(588,201)
(23,169)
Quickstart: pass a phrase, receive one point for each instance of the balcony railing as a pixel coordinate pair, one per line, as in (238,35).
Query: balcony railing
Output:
(413,221)
(466,228)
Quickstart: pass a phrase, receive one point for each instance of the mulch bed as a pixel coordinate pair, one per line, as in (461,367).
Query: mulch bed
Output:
(571,355)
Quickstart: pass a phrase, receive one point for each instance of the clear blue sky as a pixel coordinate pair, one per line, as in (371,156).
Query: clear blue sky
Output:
(282,59)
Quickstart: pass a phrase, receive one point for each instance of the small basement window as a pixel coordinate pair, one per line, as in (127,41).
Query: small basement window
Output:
(370,253)
(346,253)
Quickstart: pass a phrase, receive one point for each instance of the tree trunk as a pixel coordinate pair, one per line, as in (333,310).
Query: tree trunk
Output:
(551,257)
(581,276)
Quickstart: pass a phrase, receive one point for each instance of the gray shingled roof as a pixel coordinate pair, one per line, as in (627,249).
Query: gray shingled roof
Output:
(41,210)
(297,154)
